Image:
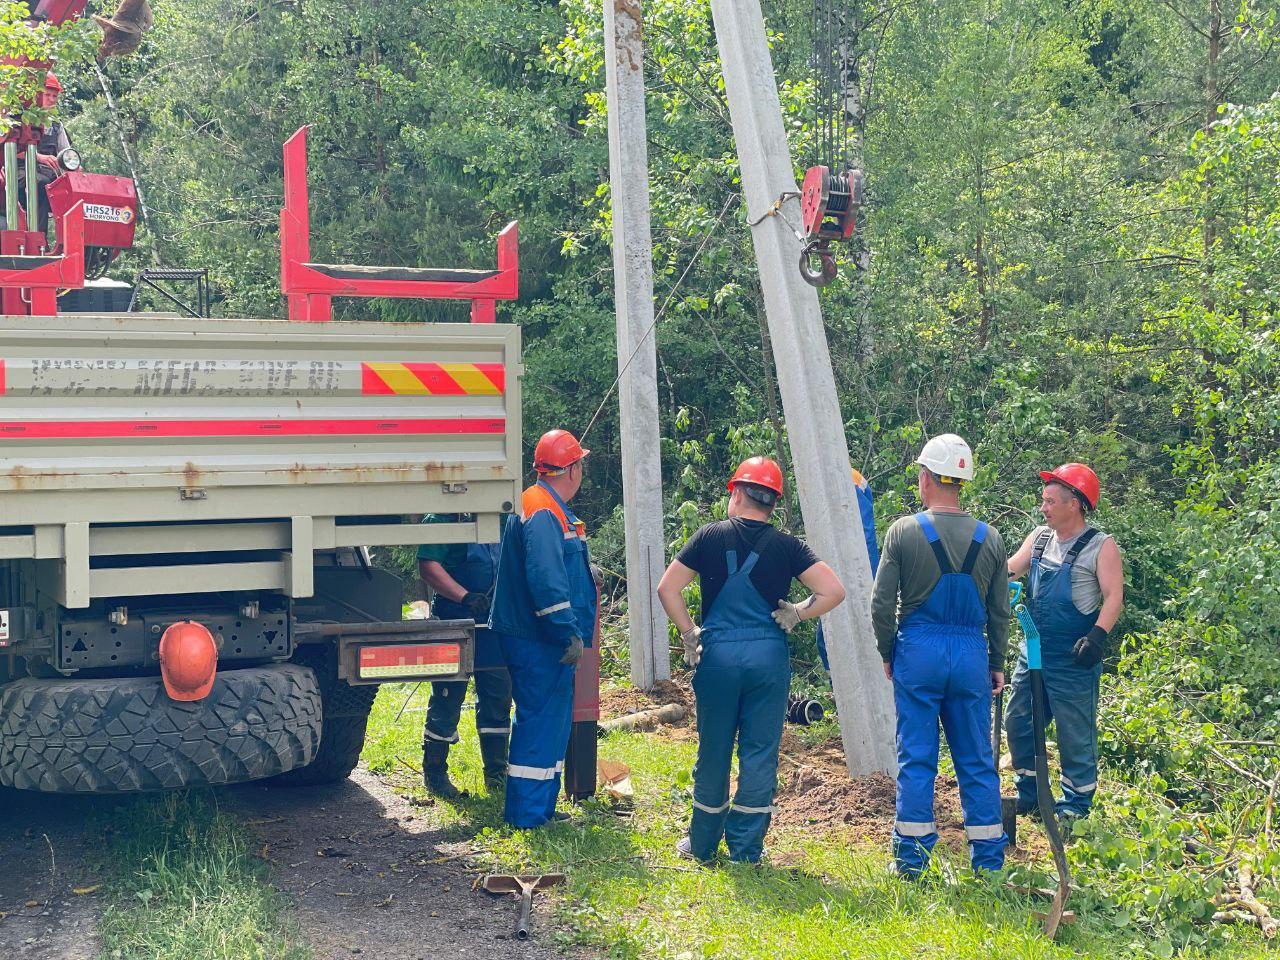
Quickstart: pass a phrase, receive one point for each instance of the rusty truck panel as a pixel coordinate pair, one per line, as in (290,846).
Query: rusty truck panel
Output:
(149,434)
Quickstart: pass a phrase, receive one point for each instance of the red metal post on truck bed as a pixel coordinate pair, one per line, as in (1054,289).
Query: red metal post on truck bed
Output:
(310,287)
(30,281)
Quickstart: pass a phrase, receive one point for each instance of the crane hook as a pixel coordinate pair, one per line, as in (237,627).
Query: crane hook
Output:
(824,271)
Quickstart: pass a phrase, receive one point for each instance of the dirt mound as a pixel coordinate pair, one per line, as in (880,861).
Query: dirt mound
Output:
(818,794)
(622,700)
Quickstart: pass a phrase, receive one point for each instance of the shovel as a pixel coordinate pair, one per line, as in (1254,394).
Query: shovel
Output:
(1008,805)
(523,887)
(1044,794)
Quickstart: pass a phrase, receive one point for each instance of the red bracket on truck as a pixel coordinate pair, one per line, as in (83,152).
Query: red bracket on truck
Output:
(311,287)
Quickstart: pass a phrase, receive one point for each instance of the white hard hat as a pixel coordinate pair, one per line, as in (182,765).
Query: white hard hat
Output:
(947,455)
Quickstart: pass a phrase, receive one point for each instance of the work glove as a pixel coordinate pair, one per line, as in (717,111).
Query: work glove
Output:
(692,645)
(573,652)
(597,574)
(787,615)
(1091,648)
(477,605)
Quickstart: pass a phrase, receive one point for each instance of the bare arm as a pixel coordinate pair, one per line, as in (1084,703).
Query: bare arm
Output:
(1020,562)
(671,594)
(1111,582)
(827,592)
(435,576)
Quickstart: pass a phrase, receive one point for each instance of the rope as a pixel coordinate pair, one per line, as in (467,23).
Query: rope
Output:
(670,296)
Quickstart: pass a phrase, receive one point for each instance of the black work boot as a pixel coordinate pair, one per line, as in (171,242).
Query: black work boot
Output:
(435,770)
(493,752)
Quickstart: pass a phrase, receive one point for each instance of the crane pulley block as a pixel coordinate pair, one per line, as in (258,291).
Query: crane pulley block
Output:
(829,204)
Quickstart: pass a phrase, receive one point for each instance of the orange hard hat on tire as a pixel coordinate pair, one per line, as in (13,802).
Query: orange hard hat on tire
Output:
(557,450)
(188,660)
(1079,479)
(759,472)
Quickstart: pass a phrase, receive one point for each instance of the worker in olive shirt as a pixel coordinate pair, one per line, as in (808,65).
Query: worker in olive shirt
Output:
(462,574)
(941,614)
(742,665)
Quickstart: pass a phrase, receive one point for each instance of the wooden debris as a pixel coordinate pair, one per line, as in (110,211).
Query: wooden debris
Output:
(645,719)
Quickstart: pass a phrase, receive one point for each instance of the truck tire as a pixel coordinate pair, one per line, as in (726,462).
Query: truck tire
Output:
(126,735)
(346,715)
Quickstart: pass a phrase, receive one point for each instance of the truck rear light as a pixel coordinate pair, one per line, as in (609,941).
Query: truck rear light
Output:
(410,661)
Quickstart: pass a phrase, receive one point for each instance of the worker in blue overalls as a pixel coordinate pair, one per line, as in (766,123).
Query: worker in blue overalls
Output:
(544,613)
(1075,594)
(941,614)
(461,576)
(866,509)
(742,665)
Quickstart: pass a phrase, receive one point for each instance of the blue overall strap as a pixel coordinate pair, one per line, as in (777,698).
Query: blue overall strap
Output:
(1078,547)
(935,543)
(731,556)
(975,548)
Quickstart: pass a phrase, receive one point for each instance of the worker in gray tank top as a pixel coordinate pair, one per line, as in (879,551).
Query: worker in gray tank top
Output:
(1075,594)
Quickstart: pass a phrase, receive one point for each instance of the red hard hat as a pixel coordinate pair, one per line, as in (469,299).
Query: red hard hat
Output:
(760,471)
(556,450)
(51,82)
(1077,477)
(188,660)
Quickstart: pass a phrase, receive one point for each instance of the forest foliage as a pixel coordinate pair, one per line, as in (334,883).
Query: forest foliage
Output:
(1071,252)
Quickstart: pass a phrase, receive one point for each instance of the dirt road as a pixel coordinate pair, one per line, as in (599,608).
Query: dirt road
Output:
(371,875)
(43,860)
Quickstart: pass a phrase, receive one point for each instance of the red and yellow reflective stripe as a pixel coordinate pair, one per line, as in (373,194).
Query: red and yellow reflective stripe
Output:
(433,379)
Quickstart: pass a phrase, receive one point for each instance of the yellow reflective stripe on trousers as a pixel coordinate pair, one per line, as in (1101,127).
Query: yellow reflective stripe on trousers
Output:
(738,808)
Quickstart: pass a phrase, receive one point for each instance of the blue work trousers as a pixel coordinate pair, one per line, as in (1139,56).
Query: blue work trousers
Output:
(942,674)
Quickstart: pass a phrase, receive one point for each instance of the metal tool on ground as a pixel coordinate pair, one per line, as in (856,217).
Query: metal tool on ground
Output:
(1008,805)
(1044,794)
(523,888)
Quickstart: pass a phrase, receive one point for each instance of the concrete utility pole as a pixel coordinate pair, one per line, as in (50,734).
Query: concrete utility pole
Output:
(827,499)
(633,296)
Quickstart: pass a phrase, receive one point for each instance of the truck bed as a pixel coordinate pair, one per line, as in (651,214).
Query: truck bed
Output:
(142,435)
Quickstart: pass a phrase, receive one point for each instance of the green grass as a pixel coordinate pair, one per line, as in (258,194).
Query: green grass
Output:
(183,884)
(629,896)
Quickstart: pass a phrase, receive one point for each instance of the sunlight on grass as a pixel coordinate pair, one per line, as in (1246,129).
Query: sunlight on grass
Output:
(632,897)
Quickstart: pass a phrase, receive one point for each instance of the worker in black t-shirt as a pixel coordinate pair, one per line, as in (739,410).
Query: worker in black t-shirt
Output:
(742,667)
